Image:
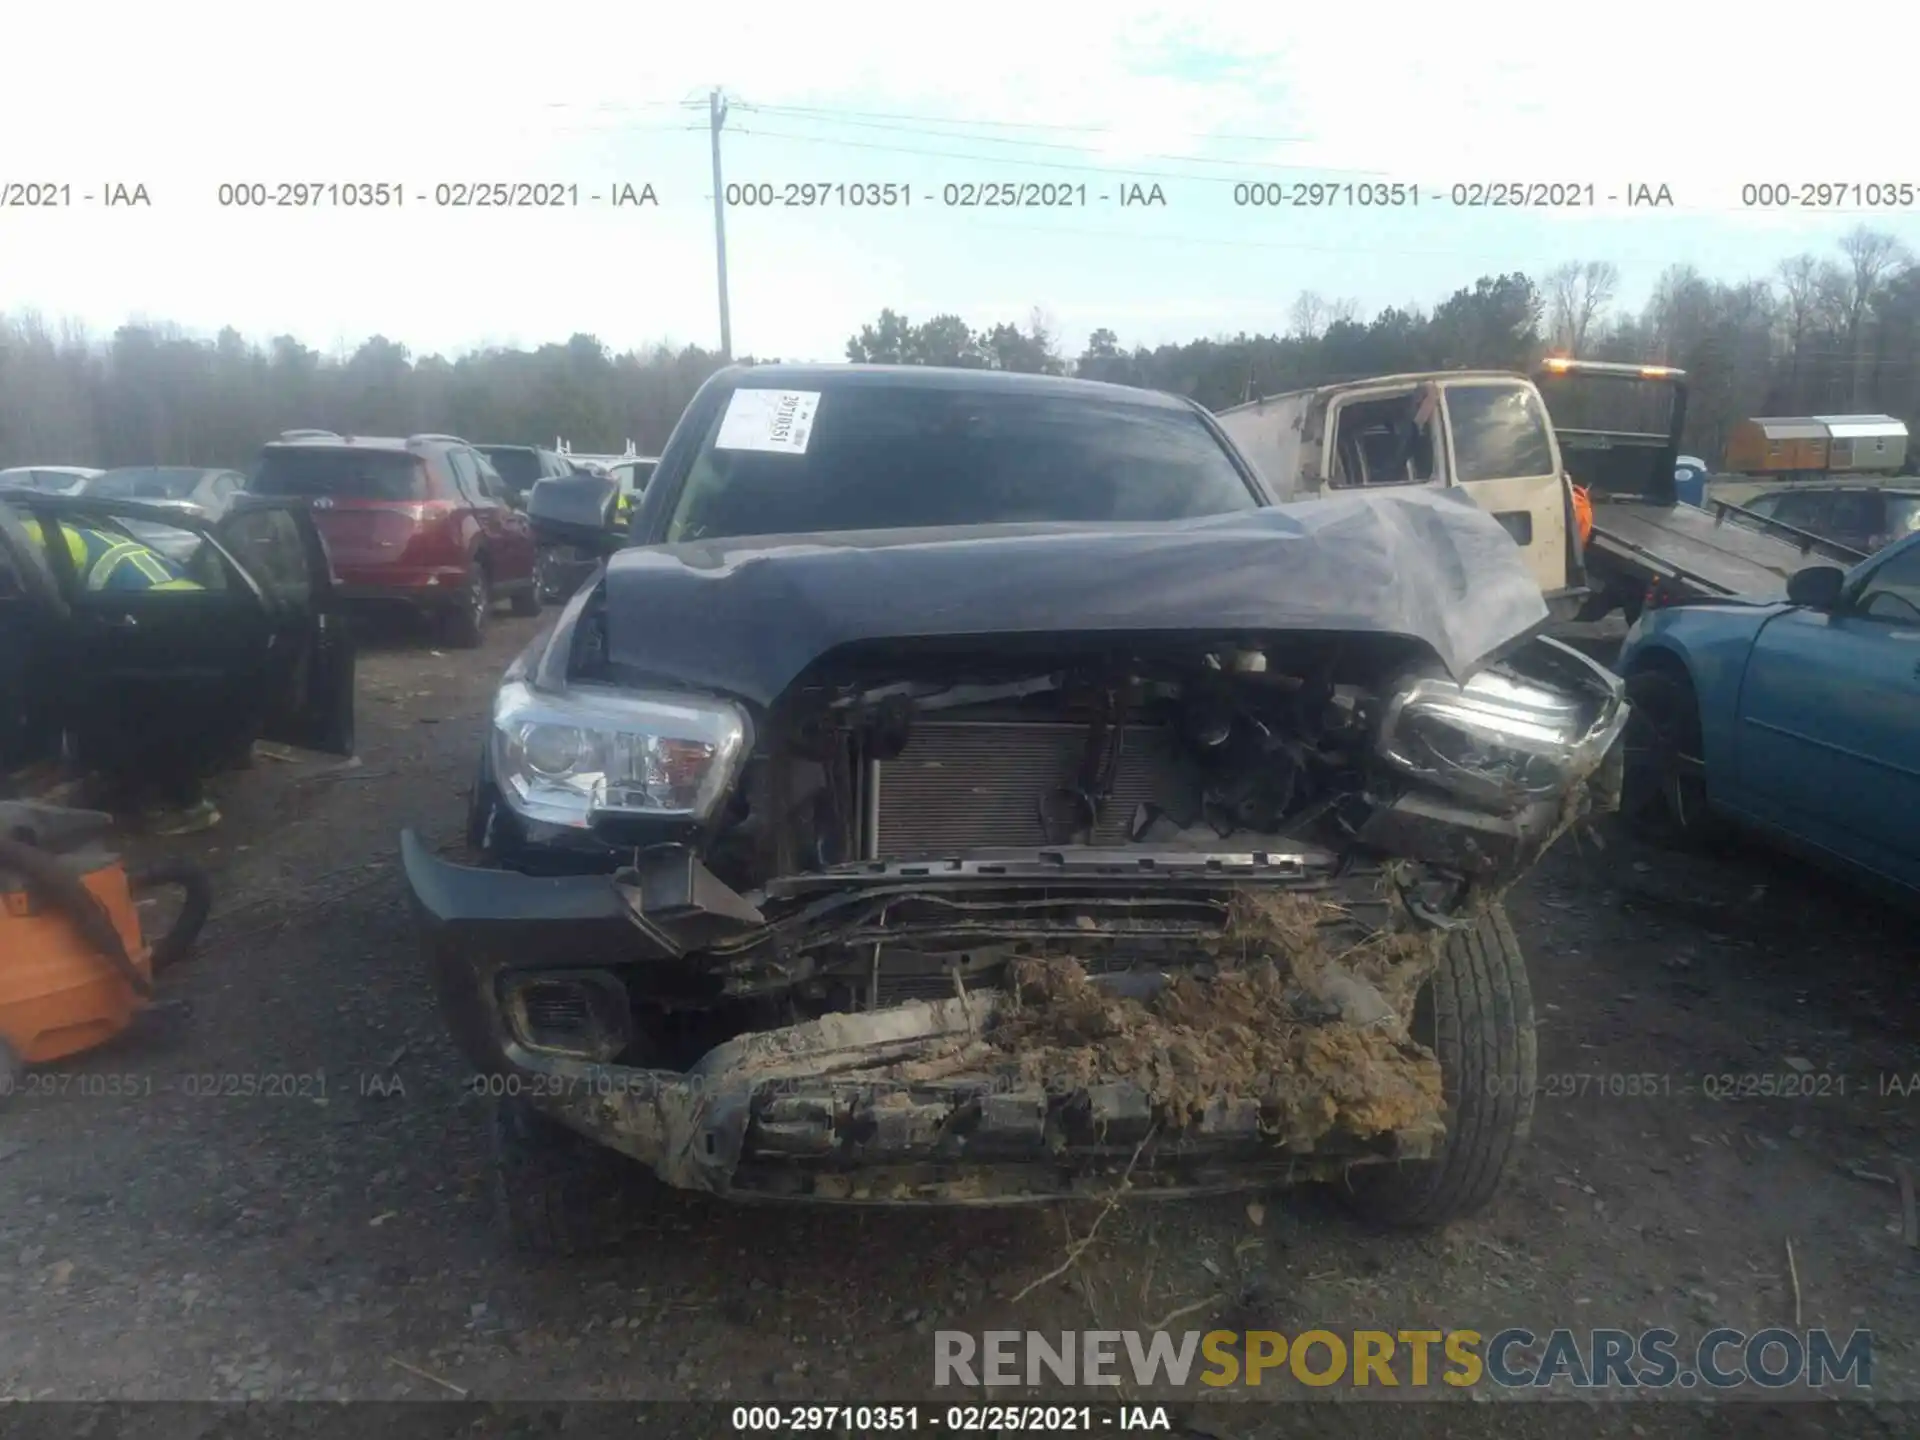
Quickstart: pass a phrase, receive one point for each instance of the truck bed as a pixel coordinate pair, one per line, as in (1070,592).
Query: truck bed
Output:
(1722,551)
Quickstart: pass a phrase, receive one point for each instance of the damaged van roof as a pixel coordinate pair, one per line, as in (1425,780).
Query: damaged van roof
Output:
(749,615)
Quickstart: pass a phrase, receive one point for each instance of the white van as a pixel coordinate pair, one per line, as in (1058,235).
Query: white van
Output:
(1486,431)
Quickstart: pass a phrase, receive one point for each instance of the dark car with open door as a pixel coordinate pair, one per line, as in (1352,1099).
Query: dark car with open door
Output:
(253,647)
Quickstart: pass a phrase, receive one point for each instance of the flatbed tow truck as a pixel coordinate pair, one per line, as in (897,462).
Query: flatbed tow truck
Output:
(1646,546)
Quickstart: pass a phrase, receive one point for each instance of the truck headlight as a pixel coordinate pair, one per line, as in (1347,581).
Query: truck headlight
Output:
(1496,739)
(567,759)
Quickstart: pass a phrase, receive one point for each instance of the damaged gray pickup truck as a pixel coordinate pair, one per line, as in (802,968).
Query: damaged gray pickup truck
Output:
(972,788)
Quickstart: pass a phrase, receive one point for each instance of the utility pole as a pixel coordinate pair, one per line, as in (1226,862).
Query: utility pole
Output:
(717,116)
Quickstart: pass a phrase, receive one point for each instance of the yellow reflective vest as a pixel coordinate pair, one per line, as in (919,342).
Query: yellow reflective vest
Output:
(106,561)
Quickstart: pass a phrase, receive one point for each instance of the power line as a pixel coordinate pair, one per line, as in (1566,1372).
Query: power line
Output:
(1021,140)
(829,112)
(1265,167)
(1114,170)
(869,119)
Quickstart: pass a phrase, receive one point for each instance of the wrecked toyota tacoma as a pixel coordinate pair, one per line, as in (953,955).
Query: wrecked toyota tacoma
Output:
(963,787)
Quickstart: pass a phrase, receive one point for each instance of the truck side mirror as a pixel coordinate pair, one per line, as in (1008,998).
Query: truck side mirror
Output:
(1817,587)
(575,510)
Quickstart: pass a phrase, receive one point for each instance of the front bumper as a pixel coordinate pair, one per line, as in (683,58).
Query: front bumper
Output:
(886,1106)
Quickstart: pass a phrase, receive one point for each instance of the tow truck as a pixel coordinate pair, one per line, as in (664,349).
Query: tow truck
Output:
(1647,546)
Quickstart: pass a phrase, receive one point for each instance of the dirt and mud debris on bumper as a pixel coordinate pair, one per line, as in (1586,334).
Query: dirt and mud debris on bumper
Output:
(1272,1064)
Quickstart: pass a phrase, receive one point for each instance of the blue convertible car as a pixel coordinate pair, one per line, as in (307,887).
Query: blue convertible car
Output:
(1800,719)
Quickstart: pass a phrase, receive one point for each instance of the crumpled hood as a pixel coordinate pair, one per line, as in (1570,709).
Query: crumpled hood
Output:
(746,616)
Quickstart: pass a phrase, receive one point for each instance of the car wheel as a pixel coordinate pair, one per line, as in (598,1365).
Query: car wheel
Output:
(1663,795)
(467,621)
(1477,1015)
(526,602)
(556,1192)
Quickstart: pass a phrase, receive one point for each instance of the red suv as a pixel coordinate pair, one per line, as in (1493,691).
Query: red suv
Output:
(425,521)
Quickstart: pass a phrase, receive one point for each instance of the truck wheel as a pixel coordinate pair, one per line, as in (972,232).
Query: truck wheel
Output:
(558,1193)
(1664,789)
(466,623)
(1477,1014)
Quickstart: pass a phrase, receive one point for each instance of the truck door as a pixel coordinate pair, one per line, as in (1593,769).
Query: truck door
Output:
(1501,451)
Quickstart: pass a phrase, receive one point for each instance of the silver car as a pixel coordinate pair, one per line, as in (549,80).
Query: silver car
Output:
(202,493)
(48,479)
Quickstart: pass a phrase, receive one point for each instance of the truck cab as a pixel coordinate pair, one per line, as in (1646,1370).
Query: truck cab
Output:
(1485,431)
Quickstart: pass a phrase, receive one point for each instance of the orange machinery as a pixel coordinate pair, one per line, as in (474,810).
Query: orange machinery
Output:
(74,966)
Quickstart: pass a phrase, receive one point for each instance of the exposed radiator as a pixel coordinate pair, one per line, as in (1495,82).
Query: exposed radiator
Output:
(968,785)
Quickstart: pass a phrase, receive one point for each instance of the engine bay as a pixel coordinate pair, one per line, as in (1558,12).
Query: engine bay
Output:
(932,756)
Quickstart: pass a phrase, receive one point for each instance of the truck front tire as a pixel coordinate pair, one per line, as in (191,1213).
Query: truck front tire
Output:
(1477,1016)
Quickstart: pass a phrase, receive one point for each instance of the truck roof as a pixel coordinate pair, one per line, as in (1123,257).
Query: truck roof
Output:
(938,377)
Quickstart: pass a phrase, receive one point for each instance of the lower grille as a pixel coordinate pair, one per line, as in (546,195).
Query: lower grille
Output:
(906,977)
(579,1014)
(973,785)
(557,1015)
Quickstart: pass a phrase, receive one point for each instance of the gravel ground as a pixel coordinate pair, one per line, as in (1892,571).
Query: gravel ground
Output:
(331,1237)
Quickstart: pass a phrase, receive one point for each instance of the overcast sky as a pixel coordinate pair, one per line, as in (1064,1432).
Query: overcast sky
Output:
(187,96)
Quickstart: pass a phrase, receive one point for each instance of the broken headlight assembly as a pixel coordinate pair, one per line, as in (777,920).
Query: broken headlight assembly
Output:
(569,759)
(1495,739)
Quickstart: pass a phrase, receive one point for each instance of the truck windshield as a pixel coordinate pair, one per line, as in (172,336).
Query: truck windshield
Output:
(881,457)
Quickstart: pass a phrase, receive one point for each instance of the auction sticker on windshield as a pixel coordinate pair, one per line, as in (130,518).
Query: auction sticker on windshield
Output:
(776,420)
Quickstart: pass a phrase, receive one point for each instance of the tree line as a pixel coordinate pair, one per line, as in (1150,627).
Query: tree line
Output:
(1820,335)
